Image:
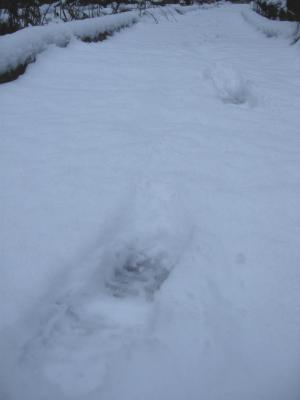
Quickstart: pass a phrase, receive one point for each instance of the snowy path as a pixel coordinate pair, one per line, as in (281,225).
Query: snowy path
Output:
(150,219)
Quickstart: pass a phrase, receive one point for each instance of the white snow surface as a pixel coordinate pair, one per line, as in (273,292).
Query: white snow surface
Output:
(19,47)
(150,219)
(23,46)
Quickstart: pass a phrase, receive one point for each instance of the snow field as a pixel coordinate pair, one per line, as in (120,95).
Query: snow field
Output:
(150,237)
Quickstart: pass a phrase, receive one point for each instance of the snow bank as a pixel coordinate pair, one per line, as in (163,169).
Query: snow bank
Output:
(21,47)
(270,28)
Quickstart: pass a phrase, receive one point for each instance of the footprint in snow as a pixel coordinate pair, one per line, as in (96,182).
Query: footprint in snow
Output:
(105,308)
(230,85)
(138,275)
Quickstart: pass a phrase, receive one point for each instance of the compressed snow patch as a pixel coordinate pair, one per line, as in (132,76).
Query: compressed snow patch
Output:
(105,306)
(229,84)
(137,274)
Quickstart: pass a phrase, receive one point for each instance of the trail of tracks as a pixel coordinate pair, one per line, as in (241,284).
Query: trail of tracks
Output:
(150,216)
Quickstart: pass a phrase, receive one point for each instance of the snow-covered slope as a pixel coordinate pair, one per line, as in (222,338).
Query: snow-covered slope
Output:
(150,220)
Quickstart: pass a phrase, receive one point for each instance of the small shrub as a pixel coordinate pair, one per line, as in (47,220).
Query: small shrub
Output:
(278,10)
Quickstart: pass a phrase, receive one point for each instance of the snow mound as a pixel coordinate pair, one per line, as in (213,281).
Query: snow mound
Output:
(270,28)
(22,47)
(229,84)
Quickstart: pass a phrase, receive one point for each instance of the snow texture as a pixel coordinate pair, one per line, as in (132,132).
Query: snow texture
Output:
(230,85)
(150,220)
(22,47)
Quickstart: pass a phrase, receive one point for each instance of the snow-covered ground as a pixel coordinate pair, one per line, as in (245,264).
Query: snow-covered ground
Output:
(150,219)
(24,45)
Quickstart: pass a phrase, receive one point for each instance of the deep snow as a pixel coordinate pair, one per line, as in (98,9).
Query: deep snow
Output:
(24,45)
(150,220)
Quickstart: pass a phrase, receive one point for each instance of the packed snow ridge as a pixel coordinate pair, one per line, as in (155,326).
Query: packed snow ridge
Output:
(22,47)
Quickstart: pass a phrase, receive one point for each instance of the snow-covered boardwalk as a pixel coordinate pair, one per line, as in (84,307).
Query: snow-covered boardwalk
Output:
(150,218)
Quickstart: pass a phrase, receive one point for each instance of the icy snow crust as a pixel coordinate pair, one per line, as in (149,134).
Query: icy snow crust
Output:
(150,220)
